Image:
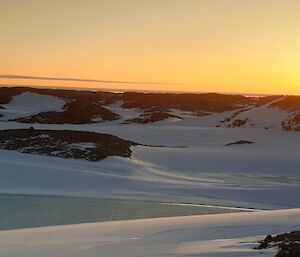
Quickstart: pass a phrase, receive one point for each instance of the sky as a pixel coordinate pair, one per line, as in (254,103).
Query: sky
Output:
(233,46)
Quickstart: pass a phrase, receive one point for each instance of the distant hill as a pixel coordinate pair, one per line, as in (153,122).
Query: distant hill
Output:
(22,104)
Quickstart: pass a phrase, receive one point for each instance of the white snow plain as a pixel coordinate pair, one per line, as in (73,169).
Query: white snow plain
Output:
(218,235)
(27,104)
(196,166)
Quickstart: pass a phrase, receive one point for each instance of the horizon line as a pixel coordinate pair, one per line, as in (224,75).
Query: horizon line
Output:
(123,90)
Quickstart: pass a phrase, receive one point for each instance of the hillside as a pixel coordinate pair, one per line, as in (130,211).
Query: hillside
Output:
(82,107)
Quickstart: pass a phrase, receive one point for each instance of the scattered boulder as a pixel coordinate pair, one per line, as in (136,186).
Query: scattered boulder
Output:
(239,123)
(240,142)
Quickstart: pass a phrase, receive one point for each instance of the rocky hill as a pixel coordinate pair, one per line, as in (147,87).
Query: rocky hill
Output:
(82,107)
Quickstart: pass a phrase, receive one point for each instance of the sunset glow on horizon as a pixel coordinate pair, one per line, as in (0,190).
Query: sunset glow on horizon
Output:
(242,46)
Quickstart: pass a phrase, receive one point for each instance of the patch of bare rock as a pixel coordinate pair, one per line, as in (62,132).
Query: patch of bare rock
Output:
(65,143)
(151,117)
(288,244)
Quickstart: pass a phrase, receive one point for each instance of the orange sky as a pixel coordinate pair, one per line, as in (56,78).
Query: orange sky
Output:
(247,46)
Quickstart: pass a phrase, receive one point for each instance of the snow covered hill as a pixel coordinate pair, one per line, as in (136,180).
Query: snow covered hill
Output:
(52,106)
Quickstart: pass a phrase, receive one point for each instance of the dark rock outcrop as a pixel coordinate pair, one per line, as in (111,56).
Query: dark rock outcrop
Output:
(151,117)
(239,123)
(288,244)
(240,142)
(80,111)
(65,143)
(209,102)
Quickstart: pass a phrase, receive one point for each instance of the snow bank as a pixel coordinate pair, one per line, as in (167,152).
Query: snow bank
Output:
(124,113)
(28,104)
(264,116)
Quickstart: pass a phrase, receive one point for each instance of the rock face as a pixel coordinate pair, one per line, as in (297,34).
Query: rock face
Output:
(65,143)
(288,244)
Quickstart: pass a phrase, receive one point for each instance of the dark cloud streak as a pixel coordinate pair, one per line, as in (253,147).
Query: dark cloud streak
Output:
(8,76)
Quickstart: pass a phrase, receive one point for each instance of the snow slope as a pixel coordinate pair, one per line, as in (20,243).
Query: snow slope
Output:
(28,104)
(263,116)
(194,166)
(219,235)
(262,175)
(124,113)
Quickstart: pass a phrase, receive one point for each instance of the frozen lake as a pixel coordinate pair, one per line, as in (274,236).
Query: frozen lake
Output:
(24,211)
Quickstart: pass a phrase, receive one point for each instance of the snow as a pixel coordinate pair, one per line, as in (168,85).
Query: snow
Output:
(262,175)
(83,145)
(264,116)
(42,136)
(194,167)
(99,119)
(28,104)
(219,235)
(124,113)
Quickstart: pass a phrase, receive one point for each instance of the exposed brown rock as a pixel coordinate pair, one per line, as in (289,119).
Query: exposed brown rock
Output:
(65,143)
(239,123)
(210,102)
(288,103)
(151,117)
(80,111)
(288,244)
